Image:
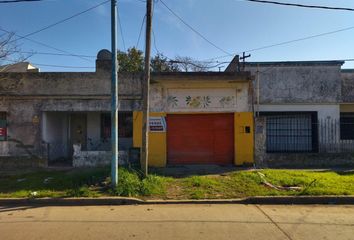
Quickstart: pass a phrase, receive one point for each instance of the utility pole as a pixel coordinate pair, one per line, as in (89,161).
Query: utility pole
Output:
(243,58)
(114,96)
(146,90)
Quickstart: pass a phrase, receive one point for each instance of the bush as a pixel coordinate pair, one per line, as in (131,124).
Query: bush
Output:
(130,184)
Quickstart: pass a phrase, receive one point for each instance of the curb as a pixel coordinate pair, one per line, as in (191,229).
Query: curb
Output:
(288,200)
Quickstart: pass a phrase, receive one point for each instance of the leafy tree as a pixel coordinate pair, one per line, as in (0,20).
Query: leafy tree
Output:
(131,61)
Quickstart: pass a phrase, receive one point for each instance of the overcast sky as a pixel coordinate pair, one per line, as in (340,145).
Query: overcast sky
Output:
(233,25)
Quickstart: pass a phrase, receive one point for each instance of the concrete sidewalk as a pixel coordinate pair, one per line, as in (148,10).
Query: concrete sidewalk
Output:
(189,221)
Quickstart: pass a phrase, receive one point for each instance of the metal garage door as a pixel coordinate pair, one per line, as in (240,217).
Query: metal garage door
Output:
(200,138)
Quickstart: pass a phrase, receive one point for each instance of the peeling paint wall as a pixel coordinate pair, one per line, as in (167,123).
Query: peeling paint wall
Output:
(25,97)
(183,96)
(279,84)
(347,86)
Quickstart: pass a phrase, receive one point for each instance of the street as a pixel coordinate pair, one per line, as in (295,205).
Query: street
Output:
(223,221)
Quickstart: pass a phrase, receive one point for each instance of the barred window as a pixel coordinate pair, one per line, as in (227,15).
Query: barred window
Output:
(347,126)
(291,132)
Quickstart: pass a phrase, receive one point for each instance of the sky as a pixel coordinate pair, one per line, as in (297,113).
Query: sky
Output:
(232,25)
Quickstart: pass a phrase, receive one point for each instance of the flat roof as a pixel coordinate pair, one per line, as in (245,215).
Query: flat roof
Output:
(347,70)
(292,63)
(202,76)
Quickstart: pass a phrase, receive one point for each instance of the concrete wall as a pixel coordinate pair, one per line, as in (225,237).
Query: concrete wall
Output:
(347,86)
(217,96)
(295,83)
(26,96)
(93,129)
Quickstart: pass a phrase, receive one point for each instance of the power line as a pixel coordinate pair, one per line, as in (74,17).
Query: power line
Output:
(193,29)
(53,54)
(287,42)
(121,29)
(45,45)
(302,5)
(61,21)
(52,65)
(141,30)
(18,1)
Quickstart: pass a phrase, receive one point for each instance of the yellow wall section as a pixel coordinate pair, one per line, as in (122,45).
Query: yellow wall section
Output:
(137,129)
(157,140)
(244,142)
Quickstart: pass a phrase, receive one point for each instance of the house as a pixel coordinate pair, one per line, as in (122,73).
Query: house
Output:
(196,118)
(303,113)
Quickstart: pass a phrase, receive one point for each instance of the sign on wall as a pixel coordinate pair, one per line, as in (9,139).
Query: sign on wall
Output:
(157,124)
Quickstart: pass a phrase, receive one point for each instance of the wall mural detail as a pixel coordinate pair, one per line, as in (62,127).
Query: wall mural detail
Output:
(172,101)
(206,99)
(198,102)
(227,101)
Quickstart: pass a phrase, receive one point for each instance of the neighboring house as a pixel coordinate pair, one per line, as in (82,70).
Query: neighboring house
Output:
(304,113)
(196,118)
(19,67)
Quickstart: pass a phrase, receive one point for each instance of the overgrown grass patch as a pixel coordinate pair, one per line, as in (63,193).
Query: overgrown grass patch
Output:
(96,183)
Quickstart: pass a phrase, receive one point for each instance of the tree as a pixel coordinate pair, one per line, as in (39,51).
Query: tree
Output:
(160,63)
(10,53)
(188,64)
(131,61)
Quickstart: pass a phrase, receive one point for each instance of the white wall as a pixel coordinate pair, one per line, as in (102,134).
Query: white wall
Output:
(93,128)
(331,111)
(216,96)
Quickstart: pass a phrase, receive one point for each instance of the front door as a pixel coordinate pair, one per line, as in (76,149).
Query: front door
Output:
(78,130)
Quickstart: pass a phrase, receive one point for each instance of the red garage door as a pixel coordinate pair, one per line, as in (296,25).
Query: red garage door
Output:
(200,138)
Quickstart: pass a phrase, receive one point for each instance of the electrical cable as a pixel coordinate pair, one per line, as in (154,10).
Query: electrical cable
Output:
(61,21)
(302,5)
(19,1)
(141,30)
(121,30)
(46,45)
(285,42)
(192,28)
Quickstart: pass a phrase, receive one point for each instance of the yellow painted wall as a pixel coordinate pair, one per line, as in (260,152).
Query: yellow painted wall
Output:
(347,108)
(244,142)
(157,140)
(137,129)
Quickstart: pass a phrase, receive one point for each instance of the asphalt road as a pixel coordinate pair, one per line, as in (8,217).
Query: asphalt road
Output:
(224,221)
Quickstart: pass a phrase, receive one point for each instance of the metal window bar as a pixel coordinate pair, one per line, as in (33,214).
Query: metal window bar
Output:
(301,133)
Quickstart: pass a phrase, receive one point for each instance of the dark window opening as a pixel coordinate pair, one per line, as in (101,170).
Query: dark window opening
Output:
(3,126)
(347,126)
(125,125)
(291,132)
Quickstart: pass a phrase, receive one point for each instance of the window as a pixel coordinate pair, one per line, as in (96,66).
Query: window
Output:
(125,125)
(3,126)
(291,132)
(347,126)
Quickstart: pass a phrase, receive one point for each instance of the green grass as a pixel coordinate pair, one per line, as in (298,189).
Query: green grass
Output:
(96,183)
